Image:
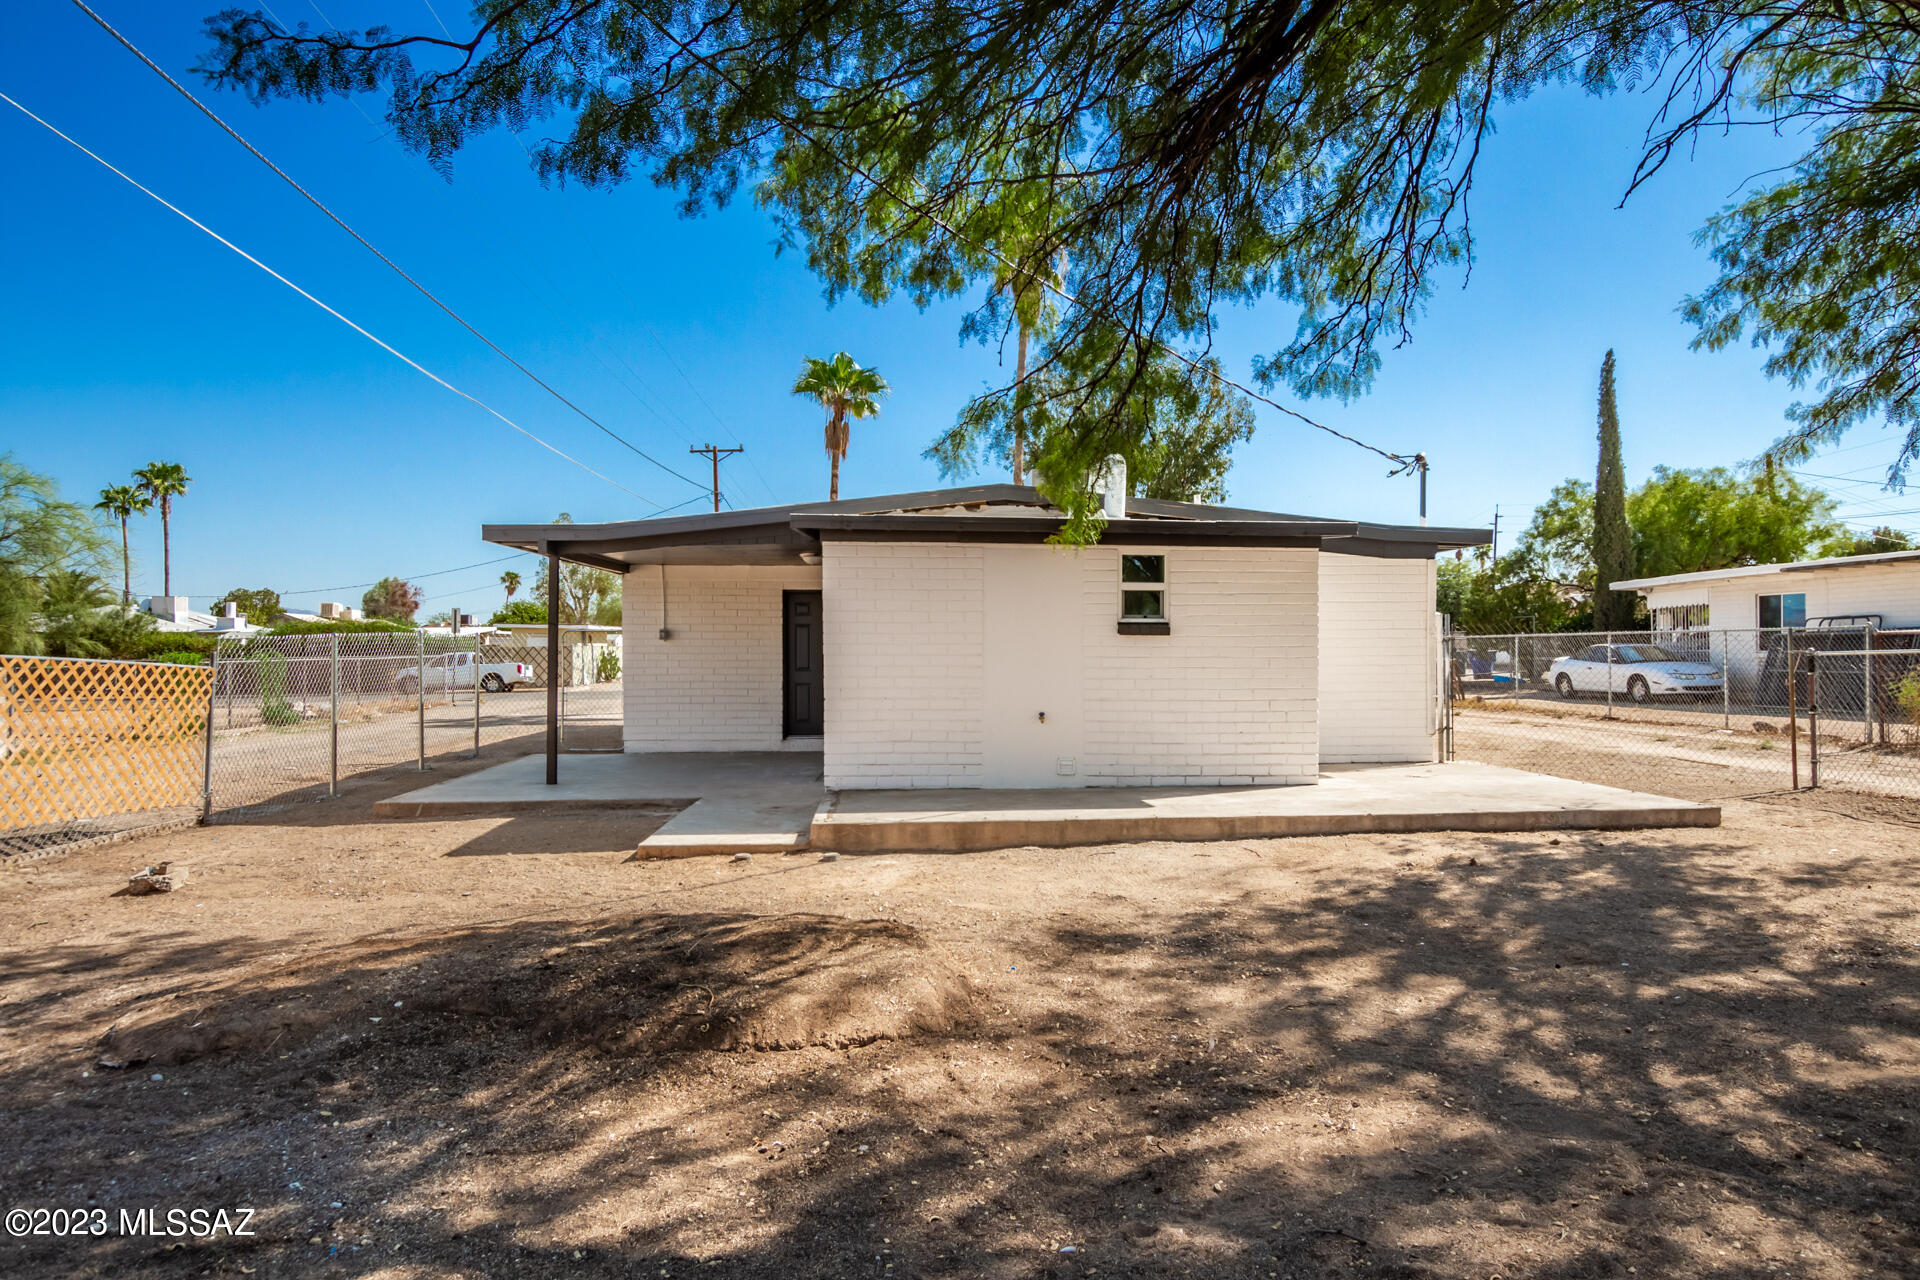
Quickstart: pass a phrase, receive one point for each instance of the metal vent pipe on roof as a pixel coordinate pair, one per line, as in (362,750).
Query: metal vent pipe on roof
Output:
(1113,494)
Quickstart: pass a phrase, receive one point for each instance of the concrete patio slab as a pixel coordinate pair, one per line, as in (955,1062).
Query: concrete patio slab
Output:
(728,802)
(774,802)
(1352,799)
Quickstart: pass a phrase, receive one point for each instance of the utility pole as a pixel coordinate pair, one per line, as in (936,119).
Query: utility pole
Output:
(1496,533)
(716,453)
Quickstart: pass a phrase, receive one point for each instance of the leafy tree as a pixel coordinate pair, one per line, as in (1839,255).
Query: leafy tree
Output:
(845,391)
(81,619)
(1612,538)
(391,600)
(1513,595)
(1178,437)
(520,611)
(163,482)
(585,592)
(1191,155)
(1883,539)
(257,605)
(122,501)
(1684,522)
(40,534)
(510,582)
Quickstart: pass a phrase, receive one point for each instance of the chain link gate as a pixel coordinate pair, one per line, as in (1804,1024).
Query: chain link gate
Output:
(1701,713)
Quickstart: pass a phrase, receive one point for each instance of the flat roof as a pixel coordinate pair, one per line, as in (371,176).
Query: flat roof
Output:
(1761,570)
(986,513)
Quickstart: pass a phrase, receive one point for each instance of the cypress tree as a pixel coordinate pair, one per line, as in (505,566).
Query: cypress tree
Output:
(1612,542)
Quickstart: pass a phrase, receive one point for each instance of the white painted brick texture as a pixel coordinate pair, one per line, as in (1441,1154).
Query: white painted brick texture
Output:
(905,664)
(716,685)
(1377,659)
(1229,697)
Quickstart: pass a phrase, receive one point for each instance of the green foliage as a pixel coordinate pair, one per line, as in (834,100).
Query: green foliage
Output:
(80,618)
(1177,431)
(847,392)
(520,611)
(1906,695)
(258,605)
(19,611)
(1192,157)
(1612,538)
(40,531)
(391,600)
(1684,522)
(510,583)
(155,644)
(179,657)
(584,590)
(608,669)
(1689,521)
(270,668)
(162,482)
(1514,595)
(1883,539)
(122,502)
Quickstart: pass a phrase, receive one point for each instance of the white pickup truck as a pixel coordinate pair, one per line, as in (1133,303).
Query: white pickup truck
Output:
(455,671)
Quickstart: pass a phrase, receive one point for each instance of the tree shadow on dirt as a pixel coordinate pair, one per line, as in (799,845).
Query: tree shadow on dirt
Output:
(1546,1061)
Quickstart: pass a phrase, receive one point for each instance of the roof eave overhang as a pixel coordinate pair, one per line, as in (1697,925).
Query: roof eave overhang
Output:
(1129,532)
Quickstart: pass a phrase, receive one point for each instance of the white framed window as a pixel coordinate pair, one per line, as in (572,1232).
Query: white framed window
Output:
(1143,589)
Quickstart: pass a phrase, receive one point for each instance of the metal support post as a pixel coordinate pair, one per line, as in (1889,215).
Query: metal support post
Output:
(1813,721)
(1609,644)
(420,689)
(1866,714)
(1727,684)
(206,773)
(553,668)
(476,695)
(333,785)
(1793,716)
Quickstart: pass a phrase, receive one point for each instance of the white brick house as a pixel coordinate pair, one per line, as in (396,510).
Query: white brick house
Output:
(937,640)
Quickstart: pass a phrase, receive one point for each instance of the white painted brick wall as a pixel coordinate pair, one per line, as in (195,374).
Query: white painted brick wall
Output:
(904,664)
(1377,659)
(1228,697)
(716,685)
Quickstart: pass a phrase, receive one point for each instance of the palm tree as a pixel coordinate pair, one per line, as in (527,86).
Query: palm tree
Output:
(122,501)
(511,581)
(162,483)
(845,391)
(1030,310)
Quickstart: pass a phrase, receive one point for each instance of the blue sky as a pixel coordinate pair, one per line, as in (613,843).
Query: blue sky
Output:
(321,462)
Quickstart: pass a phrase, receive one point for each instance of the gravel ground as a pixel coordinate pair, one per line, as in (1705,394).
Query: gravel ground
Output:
(495,1047)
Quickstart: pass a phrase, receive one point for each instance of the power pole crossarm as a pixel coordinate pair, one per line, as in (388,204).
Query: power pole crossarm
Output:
(715,453)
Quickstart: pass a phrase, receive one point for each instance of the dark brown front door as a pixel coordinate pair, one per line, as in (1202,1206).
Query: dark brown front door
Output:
(805,652)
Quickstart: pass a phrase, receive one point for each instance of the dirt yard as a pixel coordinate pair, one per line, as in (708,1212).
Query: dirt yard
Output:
(496,1048)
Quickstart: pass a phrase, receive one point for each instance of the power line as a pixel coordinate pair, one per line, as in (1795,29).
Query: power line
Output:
(1403,462)
(368,335)
(340,222)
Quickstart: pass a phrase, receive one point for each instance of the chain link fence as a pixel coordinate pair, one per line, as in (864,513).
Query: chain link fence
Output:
(1701,714)
(296,716)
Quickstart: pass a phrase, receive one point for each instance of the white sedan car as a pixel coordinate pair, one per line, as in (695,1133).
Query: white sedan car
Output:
(1640,671)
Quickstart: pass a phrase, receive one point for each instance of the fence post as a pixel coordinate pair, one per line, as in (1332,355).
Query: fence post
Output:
(206,774)
(1867,713)
(1727,684)
(476,696)
(1793,716)
(1513,684)
(1813,720)
(420,691)
(333,785)
(1609,643)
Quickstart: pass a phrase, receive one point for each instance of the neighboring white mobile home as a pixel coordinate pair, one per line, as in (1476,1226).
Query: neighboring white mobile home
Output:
(936,639)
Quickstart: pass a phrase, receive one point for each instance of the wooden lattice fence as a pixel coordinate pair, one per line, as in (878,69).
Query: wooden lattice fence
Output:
(83,739)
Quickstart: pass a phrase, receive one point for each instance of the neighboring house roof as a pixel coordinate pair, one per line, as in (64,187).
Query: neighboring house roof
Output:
(1761,570)
(983,513)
